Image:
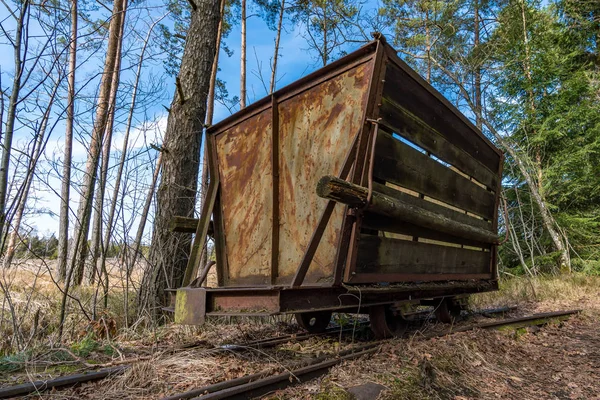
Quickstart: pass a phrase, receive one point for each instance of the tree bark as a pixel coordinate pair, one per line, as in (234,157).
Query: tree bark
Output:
(330,187)
(477,72)
(181,158)
(63,229)
(276,51)
(36,152)
(82,224)
(110,222)
(11,115)
(97,246)
(210,110)
(243,58)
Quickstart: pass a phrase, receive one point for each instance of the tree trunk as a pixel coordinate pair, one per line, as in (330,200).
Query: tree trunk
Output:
(97,246)
(180,158)
(210,110)
(547,219)
(63,229)
(276,51)
(36,152)
(477,72)
(82,224)
(11,116)
(243,58)
(110,222)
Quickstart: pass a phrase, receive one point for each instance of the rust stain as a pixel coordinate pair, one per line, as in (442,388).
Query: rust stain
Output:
(317,128)
(244,157)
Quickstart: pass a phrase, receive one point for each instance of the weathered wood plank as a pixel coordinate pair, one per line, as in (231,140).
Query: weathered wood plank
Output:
(183,224)
(406,92)
(386,224)
(430,206)
(188,225)
(388,256)
(401,164)
(333,188)
(406,124)
(193,264)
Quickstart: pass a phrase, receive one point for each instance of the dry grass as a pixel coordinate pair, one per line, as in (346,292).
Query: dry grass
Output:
(575,290)
(450,368)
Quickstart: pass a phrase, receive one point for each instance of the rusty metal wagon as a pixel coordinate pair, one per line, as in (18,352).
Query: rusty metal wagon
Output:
(356,188)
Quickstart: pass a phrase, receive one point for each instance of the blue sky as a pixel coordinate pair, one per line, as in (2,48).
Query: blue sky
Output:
(295,61)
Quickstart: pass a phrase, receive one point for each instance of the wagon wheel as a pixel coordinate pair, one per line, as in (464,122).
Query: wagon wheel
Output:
(315,321)
(447,311)
(384,323)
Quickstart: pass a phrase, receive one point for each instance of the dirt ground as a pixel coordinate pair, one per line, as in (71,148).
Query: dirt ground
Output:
(557,361)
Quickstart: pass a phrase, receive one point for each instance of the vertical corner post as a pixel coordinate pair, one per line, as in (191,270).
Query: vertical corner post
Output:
(219,229)
(201,234)
(275,169)
(350,232)
(494,247)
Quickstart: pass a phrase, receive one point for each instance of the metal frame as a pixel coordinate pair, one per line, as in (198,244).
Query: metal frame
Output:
(270,300)
(194,305)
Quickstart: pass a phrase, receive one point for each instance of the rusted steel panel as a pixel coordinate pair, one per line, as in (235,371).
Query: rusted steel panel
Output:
(244,157)
(317,128)
(248,302)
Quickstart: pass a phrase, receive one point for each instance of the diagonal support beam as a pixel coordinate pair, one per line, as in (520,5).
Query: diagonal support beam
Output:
(323,221)
(201,231)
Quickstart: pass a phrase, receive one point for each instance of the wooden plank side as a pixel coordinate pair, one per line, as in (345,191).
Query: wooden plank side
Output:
(244,157)
(428,205)
(403,165)
(386,224)
(407,125)
(379,255)
(317,129)
(406,92)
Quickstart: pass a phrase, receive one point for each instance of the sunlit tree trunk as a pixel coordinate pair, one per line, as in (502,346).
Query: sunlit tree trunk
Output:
(36,151)
(176,194)
(82,224)
(276,50)
(11,115)
(210,110)
(97,246)
(63,228)
(243,58)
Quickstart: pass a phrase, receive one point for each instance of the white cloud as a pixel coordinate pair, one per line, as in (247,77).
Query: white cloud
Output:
(149,132)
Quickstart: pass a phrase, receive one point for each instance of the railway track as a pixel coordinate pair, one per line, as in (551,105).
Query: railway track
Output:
(267,381)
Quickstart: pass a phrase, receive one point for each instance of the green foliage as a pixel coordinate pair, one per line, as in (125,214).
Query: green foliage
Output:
(37,246)
(531,67)
(85,347)
(328,25)
(13,362)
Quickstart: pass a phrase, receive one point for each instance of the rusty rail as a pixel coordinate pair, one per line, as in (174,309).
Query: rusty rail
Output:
(69,380)
(260,383)
(254,385)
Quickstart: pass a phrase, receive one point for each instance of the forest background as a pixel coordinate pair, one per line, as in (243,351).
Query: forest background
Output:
(85,105)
